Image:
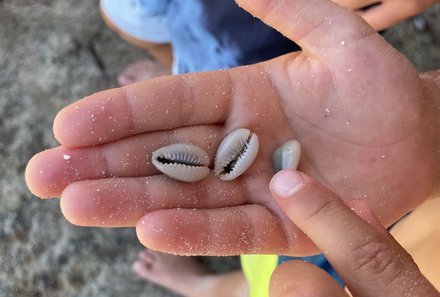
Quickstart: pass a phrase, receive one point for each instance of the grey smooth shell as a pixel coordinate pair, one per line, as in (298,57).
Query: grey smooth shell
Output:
(287,155)
(187,162)
(239,148)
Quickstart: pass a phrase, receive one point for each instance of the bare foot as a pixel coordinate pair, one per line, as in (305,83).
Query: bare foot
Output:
(141,70)
(184,275)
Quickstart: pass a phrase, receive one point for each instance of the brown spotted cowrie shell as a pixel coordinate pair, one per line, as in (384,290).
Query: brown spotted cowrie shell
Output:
(236,154)
(182,161)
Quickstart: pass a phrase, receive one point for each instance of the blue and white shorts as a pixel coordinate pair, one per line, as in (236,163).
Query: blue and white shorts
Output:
(145,20)
(205,34)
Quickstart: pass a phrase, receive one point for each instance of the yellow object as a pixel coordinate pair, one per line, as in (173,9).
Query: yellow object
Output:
(257,269)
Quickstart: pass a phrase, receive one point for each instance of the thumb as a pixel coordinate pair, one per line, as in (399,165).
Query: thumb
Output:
(315,25)
(368,259)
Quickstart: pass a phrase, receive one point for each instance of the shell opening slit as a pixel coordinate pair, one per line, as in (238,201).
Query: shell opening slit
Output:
(230,166)
(180,158)
(236,154)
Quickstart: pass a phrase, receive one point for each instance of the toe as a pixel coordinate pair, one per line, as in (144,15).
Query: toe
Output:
(147,255)
(141,269)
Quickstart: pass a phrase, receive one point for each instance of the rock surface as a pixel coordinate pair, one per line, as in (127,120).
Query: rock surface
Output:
(51,54)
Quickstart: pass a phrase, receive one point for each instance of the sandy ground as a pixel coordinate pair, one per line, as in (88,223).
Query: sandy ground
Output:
(51,54)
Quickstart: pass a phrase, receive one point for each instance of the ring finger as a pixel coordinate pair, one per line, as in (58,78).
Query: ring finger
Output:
(49,172)
(121,202)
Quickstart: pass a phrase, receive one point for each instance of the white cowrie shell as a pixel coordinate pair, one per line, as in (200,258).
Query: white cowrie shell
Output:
(182,161)
(236,154)
(287,155)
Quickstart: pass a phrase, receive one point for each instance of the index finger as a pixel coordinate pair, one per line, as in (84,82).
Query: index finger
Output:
(371,262)
(159,104)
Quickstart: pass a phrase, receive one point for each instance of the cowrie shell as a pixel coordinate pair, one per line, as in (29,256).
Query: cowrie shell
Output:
(287,155)
(182,161)
(236,154)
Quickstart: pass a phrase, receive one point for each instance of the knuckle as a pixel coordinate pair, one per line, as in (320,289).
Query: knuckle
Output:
(323,209)
(375,257)
(187,102)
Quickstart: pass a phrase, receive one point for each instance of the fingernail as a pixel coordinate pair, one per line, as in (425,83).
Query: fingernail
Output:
(286,183)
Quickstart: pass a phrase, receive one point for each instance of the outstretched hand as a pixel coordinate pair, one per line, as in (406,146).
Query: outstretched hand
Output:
(356,105)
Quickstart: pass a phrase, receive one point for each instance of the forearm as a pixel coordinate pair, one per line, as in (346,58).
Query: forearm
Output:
(431,84)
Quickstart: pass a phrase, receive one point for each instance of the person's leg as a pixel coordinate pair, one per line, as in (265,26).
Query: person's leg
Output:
(162,52)
(188,277)
(143,24)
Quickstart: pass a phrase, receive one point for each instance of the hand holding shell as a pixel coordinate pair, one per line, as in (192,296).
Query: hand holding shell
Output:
(364,133)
